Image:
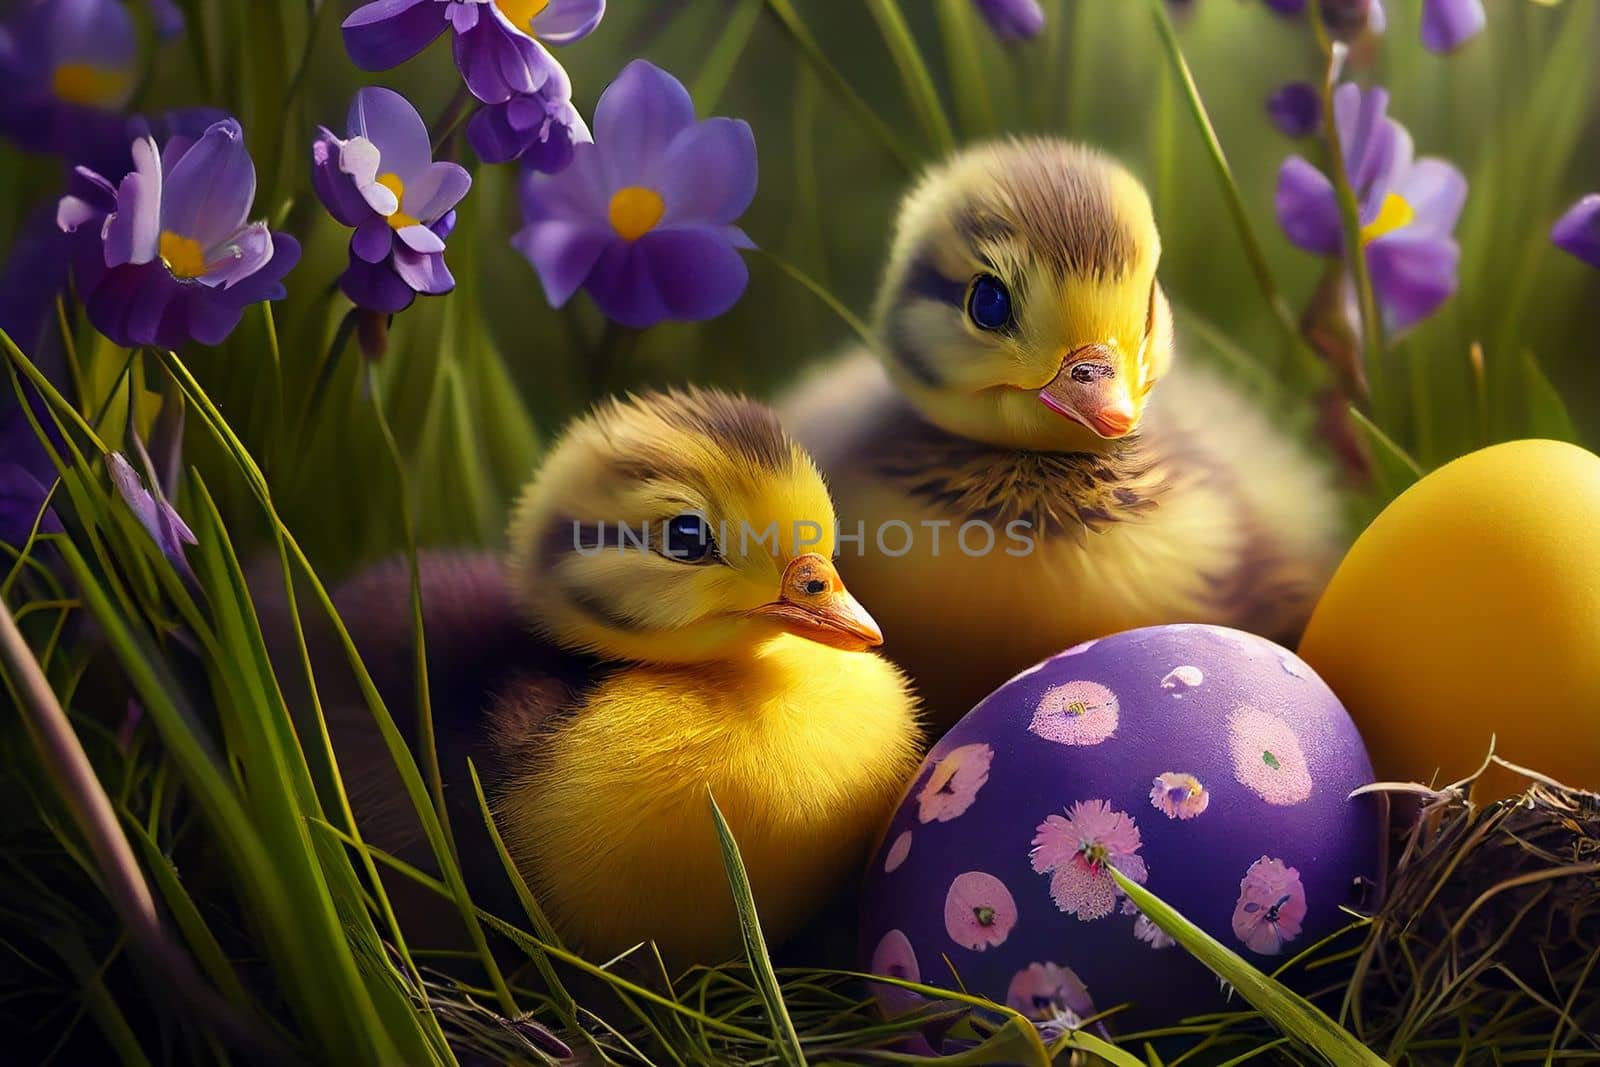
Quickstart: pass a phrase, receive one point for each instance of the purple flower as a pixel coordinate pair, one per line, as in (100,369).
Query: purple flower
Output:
(158,517)
(68,67)
(383,181)
(1578,231)
(1296,109)
(539,129)
(176,258)
(1287,7)
(496,42)
(1408,208)
(643,218)
(1012,20)
(1449,24)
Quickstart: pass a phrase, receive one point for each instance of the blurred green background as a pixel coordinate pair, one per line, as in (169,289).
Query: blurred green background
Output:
(473,382)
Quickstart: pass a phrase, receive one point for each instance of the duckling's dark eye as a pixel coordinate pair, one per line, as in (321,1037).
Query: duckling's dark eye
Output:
(989,303)
(688,538)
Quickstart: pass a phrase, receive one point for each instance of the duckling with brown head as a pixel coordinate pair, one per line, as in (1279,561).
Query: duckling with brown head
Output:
(663,624)
(1025,390)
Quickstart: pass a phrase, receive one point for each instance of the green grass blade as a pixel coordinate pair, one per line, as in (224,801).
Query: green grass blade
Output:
(959,29)
(857,325)
(785,13)
(1396,469)
(724,55)
(1545,413)
(1287,1010)
(914,77)
(755,946)
(1253,250)
(542,927)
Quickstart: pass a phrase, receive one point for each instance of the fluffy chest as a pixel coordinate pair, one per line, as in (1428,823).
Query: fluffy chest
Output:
(806,750)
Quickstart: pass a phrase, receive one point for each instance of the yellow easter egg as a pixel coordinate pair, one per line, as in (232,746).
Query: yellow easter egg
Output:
(1470,608)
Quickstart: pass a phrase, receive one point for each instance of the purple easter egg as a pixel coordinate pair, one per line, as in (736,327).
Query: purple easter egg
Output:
(1210,765)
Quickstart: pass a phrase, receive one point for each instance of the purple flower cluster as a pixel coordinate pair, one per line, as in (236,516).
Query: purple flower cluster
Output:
(499,48)
(169,253)
(1408,208)
(383,181)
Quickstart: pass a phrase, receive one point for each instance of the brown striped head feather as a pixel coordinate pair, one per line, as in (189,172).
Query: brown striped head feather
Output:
(598,552)
(1070,237)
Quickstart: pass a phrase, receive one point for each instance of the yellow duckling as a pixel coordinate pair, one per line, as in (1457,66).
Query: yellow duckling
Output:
(1023,336)
(661,625)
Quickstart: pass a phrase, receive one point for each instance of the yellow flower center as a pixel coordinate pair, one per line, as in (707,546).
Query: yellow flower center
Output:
(1394,213)
(84,83)
(183,255)
(393,183)
(521,12)
(635,211)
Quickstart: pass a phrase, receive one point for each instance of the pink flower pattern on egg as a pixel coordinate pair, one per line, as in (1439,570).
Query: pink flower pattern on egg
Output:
(1048,992)
(979,911)
(1076,713)
(897,852)
(895,958)
(1271,907)
(1179,796)
(1267,756)
(1075,850)
(954,783)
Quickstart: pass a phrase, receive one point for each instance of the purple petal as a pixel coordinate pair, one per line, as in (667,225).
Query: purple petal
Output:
(1449,24)
(564,252)
(424,272)
(361,160)
(419,239)
(73,212)
(1296,109)
(372,240)
(133,231)
(498,62)
(637,117)
(1307,209)
(623,286)
(386,33)
(708,173)
(1436,191)
(128,303)
(697,272)
(1412,275)
(1376,148)
(234,260)
(266,283)
(578,192)
(493,137)
(388,120)
(376,287)
(208,193)
(1012,20)
(336,189)
(125,480)
(1287,7)
(435,190)
(565,21)
(1578,231)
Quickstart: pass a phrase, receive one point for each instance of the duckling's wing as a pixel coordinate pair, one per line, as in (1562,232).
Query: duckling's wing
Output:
(478,646)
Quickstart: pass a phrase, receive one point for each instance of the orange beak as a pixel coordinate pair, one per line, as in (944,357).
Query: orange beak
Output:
(1090,390)
(813,603)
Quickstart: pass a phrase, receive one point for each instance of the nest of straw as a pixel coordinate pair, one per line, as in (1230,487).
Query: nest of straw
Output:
(1486,949)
